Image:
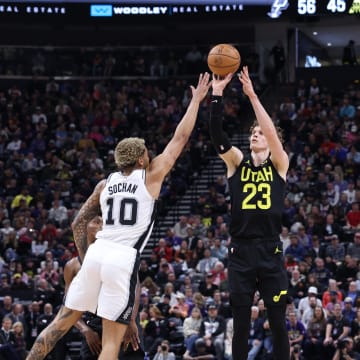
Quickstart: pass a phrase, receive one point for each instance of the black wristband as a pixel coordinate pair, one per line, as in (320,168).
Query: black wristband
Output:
(218,137)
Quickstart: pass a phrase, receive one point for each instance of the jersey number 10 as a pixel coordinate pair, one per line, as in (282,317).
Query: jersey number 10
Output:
(127,213)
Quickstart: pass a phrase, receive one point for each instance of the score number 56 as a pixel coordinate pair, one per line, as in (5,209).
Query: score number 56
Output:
(308,7)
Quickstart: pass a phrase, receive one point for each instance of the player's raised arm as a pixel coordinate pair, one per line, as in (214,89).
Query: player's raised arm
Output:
(164,162)
(278,154)
(230,154)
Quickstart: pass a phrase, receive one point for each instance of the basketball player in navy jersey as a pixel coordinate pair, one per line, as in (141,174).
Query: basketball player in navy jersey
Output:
(126,200)
(257,188)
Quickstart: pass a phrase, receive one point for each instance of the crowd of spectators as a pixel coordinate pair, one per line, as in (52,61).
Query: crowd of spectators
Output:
(56,143)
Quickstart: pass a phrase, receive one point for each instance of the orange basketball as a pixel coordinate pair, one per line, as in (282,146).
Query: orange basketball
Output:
(223,59)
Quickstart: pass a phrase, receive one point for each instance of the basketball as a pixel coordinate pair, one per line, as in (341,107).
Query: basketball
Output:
(223,59)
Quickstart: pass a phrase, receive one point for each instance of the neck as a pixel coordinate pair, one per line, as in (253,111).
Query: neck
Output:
(260,156)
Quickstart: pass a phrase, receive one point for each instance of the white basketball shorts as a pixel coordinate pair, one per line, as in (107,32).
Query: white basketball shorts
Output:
(105,284)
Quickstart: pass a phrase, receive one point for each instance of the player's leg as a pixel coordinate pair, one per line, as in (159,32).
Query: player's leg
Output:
(281,347)
(112,336)
(273,285)
(242,283)
(48,338)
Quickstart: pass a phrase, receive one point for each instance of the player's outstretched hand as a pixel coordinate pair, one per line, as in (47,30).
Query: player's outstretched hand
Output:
(219,83)
(246,82)
(202,87)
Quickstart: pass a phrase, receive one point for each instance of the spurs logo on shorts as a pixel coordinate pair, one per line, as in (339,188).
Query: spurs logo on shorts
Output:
(127,313)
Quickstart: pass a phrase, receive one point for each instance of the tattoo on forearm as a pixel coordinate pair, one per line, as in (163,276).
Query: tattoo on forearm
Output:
(45,342)
(48,338)
(87,212)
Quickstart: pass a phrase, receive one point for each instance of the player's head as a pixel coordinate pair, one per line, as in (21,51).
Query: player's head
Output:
(131,153)
(257,138)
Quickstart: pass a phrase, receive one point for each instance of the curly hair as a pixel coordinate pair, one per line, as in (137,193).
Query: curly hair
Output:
(279,131)
(128,151)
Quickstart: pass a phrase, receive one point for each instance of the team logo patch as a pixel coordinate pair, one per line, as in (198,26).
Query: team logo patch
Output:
(276,298)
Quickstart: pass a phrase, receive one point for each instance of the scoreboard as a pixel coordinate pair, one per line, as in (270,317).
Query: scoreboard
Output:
(242,9)
(328,7)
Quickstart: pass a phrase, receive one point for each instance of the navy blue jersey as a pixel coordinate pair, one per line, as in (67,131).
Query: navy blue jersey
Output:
(257,200)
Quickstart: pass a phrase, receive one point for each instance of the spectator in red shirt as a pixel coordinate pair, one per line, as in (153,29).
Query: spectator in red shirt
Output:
(353,217)
(163,250)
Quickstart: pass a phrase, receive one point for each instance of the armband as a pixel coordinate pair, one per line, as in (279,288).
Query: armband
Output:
(218,137)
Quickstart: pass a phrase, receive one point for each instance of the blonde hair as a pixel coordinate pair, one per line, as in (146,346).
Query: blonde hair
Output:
(279,131)
(128,151)
(18,323)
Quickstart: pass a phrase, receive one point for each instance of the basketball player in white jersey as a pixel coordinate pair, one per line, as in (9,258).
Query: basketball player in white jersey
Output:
(106,281)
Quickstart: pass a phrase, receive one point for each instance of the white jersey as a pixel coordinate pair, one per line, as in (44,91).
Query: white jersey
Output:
(128,210)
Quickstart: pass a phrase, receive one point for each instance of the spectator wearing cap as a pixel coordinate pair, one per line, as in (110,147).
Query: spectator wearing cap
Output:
(334,300)
(322,274)
(335,249)
(181,308)
(304,303)
(348,310)
(207,286)
(296,249)
(212,332)
(18,283)
(164,305)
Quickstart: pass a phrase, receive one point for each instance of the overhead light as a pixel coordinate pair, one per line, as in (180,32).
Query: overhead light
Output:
(329,44)
(315,33)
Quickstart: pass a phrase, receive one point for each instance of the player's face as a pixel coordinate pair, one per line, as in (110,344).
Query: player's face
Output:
(257,139)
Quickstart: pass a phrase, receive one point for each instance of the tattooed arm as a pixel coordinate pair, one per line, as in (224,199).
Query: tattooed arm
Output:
(89,209)
(48,338)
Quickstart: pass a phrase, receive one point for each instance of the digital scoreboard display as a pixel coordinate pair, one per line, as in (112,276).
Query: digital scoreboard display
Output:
(273,9)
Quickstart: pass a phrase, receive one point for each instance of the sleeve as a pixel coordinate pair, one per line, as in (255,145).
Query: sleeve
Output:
(218,137)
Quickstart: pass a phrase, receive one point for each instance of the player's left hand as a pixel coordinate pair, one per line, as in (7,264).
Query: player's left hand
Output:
(132,336)
(93,340)
(202,87)
(246,82)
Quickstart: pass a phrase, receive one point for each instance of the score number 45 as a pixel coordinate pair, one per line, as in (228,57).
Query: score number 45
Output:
(308,7)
